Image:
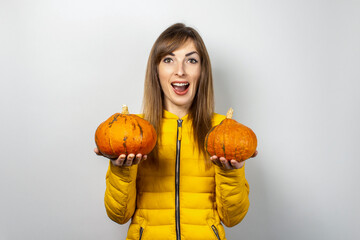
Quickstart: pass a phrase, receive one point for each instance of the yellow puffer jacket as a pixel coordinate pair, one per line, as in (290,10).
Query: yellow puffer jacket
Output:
(181,199)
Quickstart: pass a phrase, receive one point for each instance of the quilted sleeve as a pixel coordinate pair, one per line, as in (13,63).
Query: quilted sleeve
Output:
(232,191)
(120,194)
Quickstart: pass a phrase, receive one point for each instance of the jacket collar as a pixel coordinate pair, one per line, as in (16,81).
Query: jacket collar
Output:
(169,115)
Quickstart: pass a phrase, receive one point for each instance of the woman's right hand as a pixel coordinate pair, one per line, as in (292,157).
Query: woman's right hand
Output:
(124,160)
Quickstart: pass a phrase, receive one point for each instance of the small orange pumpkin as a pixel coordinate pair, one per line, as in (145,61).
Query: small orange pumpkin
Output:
(125,133)
(231,140)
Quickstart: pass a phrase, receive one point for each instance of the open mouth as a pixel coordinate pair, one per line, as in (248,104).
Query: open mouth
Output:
(180,88)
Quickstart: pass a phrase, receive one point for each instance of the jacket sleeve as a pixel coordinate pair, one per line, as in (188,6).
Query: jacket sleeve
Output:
(232,191)
(120,194)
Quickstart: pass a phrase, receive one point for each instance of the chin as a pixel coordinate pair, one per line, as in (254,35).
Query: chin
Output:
(182,102)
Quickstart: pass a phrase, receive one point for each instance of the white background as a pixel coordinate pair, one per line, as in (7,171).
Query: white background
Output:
(290,69)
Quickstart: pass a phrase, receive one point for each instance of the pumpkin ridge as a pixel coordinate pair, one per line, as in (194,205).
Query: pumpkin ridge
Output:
(207,138)
(113,120)
(248,147)
(223,142)
(214,138)
(141,130)
(111,147)
(235,153)
(238,146)
(141,133)
(136,148)
(124,144)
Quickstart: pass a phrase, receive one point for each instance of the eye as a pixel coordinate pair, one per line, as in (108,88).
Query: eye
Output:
(193,60)
(167,60)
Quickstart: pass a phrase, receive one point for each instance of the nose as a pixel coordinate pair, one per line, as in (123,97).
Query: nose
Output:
(180,70)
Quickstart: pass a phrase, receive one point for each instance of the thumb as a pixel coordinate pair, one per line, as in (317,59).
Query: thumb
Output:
(96,150)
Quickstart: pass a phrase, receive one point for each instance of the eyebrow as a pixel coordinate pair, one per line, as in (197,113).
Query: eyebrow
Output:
(186,55)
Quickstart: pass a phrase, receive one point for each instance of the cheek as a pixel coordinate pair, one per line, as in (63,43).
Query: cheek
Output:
(196,71)
(163,85)
(164,74)
(162,77)
(196,78)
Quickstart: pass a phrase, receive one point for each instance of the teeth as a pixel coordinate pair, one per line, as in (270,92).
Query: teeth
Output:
(180,84)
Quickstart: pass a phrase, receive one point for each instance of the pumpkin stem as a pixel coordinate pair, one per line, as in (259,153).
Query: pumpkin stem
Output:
(125,109)
(230,113)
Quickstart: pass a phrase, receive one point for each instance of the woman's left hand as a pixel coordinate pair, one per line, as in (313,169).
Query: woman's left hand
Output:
(229,164)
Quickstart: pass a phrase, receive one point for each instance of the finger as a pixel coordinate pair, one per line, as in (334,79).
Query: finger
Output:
(216,162)
(137,158)
(236,164)
(255,153)
(129,159)
(96,150)
(214,159)
(119,161)
(225,163)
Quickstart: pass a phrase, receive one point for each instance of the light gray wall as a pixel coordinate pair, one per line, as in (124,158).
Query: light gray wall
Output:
(290,69)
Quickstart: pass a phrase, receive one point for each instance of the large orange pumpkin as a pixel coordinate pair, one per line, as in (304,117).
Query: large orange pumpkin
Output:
(125,133)
(231,140)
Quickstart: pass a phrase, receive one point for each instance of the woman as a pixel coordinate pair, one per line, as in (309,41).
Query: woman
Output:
(177,193)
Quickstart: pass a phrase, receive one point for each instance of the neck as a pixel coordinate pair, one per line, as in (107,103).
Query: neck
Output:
(179,111)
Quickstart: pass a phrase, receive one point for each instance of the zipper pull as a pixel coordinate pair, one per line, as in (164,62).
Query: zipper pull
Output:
(179,129)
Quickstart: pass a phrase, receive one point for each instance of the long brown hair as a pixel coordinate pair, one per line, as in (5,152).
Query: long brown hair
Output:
(202,107)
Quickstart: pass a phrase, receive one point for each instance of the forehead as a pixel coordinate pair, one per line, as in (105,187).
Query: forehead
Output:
(187,47)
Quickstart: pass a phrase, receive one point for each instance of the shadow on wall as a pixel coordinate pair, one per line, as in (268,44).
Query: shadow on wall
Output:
(230,93)
(222,84)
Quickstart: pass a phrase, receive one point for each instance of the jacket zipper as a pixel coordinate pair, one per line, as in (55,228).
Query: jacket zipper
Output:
(141,232)
(177,178)
(216,232)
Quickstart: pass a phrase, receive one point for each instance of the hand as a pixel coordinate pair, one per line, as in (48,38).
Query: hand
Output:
(122,160)
(229,164)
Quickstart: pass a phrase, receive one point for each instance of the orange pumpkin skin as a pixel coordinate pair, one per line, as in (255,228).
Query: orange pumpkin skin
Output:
(231,140)
(125,133)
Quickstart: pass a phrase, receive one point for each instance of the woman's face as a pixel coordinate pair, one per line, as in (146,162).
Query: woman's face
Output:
(179,74)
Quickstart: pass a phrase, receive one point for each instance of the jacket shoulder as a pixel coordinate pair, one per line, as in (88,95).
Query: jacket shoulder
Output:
(140,115)
(217,118)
